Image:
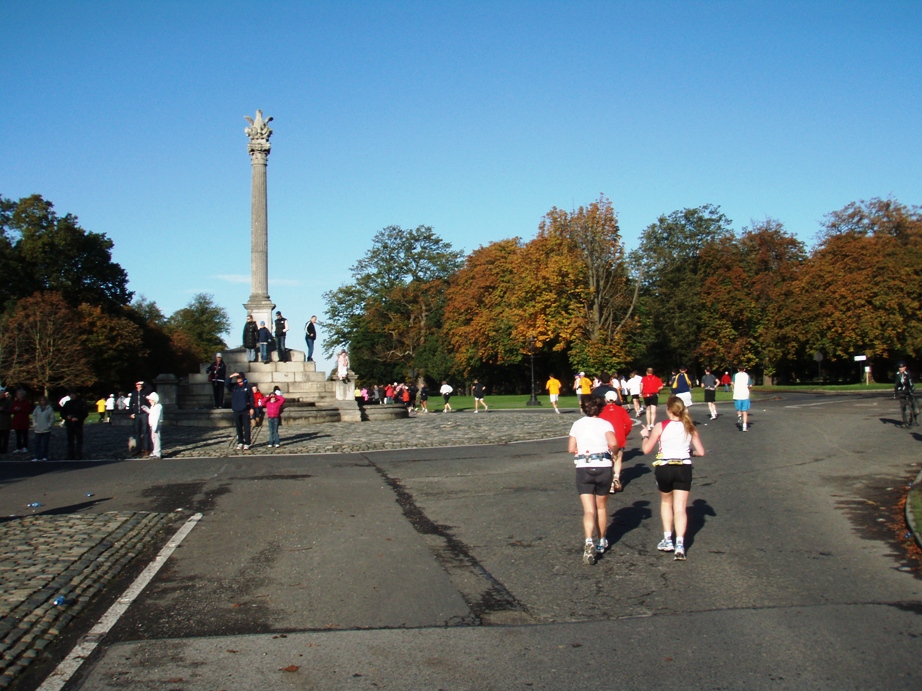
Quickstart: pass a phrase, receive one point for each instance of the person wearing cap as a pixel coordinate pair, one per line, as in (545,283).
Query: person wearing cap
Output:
(138,409)
(217,375)
(263,337)
(155,416)
(281,331)
(904,387)
(243,408)
(73,414)
(621,422)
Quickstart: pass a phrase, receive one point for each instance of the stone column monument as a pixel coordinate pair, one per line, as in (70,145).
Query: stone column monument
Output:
(259,304)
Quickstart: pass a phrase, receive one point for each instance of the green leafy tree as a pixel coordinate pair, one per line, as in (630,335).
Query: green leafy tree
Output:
(395,302)
(203,323)
(53,253)
(670,258)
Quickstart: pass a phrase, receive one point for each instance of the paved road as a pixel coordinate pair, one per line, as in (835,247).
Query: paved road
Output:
(459,568)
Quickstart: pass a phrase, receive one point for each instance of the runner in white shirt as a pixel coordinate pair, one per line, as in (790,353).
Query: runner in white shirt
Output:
(742,383)
(633,388)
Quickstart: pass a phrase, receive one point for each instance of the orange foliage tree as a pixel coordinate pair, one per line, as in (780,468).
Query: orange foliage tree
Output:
(746,282)
(861,290)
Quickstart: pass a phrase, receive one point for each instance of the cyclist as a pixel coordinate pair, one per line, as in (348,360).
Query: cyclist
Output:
(903,388)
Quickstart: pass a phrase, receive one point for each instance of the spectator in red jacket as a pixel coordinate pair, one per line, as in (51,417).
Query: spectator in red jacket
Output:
(21,408)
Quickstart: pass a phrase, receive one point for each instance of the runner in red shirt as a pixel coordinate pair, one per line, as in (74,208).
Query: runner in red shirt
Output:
(650,386)
(620,420)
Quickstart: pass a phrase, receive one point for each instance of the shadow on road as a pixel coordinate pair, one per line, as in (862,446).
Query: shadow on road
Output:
(697,511)
(625,519)
(629,474)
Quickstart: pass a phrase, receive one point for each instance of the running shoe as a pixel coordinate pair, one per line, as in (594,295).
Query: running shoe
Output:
(589,553)
(246,447)
(239,447)
(680,553)
(739,419)
(602,546)
(665,546)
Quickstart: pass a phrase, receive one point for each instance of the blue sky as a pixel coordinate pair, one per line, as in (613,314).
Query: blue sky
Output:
(473,117)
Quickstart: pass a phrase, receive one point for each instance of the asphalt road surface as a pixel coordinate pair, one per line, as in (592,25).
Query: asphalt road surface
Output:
(459,568)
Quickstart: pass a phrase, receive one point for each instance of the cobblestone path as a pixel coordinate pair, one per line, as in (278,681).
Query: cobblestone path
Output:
(106,442)
(49,557)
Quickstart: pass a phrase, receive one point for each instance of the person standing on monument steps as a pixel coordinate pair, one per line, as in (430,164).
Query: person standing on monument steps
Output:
(281,331)
(263,339)
(250,338)
(217,374)
(310,336)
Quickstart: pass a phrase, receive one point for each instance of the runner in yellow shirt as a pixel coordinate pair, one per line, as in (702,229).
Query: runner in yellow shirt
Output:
(553,388)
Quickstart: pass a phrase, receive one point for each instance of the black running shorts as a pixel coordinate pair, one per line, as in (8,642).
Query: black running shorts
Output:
(595,481)
(671,477)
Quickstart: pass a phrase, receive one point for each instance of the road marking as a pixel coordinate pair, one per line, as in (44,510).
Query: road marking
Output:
(70,664)
(808,405)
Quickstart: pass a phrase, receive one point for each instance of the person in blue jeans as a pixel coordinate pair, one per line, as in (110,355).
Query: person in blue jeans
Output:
(274,402)
(310,336)
(243,408)
(42,423)
(264,337)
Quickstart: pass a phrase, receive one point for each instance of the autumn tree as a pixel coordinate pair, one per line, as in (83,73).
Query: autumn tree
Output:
(114,346)
(746,281)
(565,292)
(860,291)
(601,302)
(390,315)
(43,344)
(670,258)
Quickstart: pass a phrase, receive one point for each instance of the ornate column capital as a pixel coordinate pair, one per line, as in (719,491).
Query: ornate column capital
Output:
(259,133)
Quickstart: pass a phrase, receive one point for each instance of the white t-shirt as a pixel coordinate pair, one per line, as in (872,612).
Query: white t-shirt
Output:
(741,384)
(445,389)
(589,433)
(674,443)
(633,385)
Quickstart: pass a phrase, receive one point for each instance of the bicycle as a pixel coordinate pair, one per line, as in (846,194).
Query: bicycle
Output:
(909,410)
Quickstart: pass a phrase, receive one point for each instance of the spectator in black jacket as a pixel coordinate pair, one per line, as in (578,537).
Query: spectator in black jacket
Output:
(250,338)
(217,373)
(243,407)
(74,412)
(138,408)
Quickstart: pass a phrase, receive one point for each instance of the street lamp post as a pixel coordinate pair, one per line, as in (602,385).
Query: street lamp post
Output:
(531,353)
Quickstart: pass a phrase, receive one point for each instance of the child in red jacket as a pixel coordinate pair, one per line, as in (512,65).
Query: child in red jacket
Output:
(273,403)
(620,420)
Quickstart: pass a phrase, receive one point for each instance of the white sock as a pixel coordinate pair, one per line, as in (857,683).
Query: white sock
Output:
(680,542)
(667,537)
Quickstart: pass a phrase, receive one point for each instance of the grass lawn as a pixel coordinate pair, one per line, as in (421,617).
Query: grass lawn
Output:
(569,401)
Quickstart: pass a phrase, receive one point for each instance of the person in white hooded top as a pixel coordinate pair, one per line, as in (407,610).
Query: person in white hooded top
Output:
(156,422)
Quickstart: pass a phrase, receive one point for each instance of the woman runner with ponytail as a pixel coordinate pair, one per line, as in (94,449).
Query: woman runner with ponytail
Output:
(677,436)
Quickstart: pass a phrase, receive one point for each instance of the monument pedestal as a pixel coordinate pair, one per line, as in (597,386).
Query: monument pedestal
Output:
(261,309)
